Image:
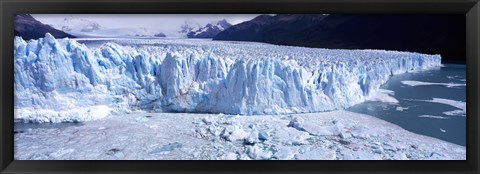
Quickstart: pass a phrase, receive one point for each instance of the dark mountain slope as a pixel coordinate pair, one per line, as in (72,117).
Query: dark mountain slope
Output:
(431,34)
(29,28)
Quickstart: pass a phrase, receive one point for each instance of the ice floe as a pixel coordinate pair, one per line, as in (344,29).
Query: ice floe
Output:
(336,135)
(384,95)
(433,116)
(458,104)
(419,83)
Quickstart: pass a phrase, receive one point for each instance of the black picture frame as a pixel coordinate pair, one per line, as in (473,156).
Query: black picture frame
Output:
(8,8)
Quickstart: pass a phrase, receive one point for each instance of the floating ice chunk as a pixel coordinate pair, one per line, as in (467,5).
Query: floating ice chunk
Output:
(419,83)
(384,95)
(458,104)
(453,77)
(399,108)
(455,113)
(433,116)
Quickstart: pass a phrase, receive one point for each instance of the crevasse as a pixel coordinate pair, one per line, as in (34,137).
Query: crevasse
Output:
(65,81)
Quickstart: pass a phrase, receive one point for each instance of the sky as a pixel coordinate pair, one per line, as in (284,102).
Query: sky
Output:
(156,23)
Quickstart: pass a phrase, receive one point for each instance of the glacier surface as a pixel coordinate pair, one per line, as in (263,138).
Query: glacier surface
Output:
(55,76)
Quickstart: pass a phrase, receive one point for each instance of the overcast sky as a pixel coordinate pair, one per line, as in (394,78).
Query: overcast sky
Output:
(166,23)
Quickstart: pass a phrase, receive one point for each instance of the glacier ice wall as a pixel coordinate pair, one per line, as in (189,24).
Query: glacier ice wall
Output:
(64,81)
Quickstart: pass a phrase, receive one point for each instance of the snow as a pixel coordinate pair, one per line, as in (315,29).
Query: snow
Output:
(419,83)
(183,136)
(175,75)
(202,30)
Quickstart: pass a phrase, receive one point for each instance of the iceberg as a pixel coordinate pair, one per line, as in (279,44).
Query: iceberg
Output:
(203,76)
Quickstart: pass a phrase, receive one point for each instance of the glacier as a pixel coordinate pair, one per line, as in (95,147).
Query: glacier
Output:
(63,80)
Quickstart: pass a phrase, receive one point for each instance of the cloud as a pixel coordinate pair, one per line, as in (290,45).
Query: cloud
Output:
(166,23)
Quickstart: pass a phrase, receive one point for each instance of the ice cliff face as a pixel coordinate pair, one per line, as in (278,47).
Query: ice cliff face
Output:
(63,80)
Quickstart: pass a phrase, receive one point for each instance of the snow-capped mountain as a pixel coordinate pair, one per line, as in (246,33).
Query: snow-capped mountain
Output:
(160,35)
(208,31)
(76,25)
(63,80)
(431,34)
(188,26)
(86,28)
(116,32)
(29,28)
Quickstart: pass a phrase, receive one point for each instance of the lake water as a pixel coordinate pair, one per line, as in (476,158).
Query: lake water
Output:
(415,114)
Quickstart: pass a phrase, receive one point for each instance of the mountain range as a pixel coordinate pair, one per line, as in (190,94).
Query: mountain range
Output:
(29,28)
(76,25)
(81,27)
(210,30)
(431,34)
